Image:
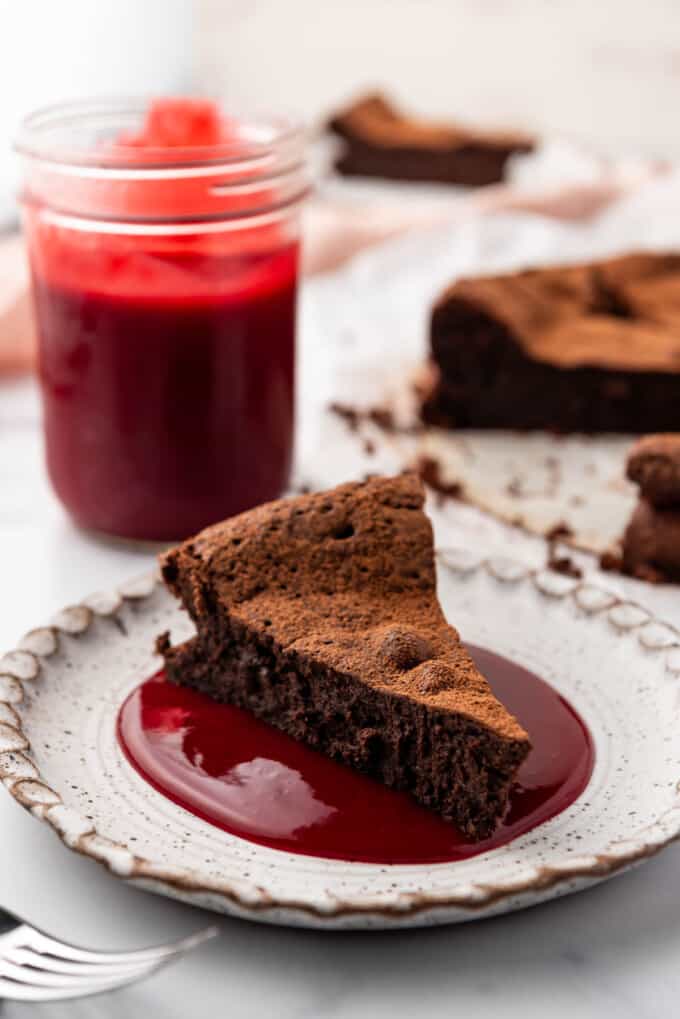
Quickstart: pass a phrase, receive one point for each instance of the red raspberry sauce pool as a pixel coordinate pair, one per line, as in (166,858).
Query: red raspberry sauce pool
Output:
(223,765)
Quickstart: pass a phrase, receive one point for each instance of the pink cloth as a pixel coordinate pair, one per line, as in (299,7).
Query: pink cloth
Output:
(335,230)
(17,346)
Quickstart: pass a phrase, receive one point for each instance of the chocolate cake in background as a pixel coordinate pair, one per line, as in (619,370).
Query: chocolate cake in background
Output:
(319,614)
(381,141)
(579,348)
(651,543)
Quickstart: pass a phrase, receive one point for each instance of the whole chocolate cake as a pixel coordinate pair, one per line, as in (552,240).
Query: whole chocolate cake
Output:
(589,348)
(320,615)
(381,141)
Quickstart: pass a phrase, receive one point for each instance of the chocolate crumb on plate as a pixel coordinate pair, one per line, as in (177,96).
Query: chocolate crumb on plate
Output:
(430,470)
(559,532)
(564,564)
(383,417)
(350,415)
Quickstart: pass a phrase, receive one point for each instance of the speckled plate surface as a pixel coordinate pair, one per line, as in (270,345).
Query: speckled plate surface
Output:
(61,690)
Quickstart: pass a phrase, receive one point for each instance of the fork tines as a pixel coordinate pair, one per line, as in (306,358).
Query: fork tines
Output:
(36,967)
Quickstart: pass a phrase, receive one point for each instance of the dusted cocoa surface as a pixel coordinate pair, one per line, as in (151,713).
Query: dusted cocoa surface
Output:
(320,614)
(591,347)
(338,574)
(382,141)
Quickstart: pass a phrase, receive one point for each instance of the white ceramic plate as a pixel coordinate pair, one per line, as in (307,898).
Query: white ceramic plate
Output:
(61,690)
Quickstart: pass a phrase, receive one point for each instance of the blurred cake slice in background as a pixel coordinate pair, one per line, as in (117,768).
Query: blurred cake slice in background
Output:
(382,141)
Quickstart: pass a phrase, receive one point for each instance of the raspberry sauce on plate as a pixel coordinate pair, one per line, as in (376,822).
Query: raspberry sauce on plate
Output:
(251,780)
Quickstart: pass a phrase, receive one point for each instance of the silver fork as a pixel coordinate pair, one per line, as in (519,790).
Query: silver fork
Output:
(37,967)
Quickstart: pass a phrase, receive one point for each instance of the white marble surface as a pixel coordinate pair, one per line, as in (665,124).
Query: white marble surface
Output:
(612,950)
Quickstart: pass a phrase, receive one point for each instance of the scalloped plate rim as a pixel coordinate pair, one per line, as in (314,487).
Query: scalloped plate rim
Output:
(33,791)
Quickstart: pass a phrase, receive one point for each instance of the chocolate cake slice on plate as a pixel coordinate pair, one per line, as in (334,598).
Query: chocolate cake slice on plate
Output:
(319,614)
(579,348)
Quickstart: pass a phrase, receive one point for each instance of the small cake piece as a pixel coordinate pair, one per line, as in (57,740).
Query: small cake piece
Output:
(651,543)
(381,141)
(581,348)
(319,614)
(654,465)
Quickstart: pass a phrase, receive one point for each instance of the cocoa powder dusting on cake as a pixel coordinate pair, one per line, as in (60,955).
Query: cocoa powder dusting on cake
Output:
(328,548)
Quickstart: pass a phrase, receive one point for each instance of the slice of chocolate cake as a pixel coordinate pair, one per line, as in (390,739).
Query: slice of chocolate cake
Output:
(380,141)
(320,615)
(586,348)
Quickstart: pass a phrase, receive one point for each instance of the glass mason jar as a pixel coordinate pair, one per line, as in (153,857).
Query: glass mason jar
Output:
(164,284)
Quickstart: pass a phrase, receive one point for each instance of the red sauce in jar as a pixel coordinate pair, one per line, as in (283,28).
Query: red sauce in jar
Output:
(166,361)
(164,413)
